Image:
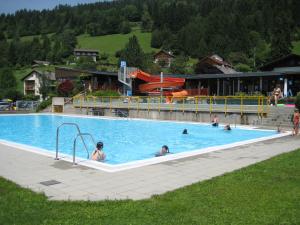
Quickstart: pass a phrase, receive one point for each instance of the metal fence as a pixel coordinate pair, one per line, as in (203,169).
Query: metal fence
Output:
(26,105)
(226,104)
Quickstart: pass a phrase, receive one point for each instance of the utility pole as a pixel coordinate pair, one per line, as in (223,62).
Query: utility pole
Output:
(161,81)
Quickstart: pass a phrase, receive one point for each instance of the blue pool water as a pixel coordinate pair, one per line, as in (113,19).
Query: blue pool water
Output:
(124,140)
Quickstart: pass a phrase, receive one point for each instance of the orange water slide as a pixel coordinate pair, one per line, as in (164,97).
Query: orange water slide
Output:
(154,81)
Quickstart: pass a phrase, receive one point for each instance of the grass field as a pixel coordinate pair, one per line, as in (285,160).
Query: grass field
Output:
(296,47)
(265,193)
(111,43)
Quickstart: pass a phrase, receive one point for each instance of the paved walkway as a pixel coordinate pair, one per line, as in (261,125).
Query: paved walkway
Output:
(82,183)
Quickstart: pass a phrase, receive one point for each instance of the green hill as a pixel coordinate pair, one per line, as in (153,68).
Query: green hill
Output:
(111,43)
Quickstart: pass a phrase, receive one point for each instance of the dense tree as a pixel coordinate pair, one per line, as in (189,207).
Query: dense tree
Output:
(3,51)
(46,47)
(194,28)
(7,79)
(179,65)
(125,27)
(45,87)
(282,29)
(133,53)
(147,22)
(8,84)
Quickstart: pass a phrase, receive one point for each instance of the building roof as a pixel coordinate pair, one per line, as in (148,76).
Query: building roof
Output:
(291,60)
(216,59)
(164,52)
(86,50)
(49,75)
(217,76)
(70,72)
(214,64)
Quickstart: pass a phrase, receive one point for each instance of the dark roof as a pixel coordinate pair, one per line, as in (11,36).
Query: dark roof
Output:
(216,59)
(233,75)
(165,52)
(85,50)
(50,75)
(70,72)
(285,61)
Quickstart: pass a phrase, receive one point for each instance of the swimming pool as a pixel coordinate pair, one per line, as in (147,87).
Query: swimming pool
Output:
(125,140)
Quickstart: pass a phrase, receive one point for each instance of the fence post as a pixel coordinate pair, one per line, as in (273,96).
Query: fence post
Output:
(159,104)
(210,104)
(197,106)
(258,106)
(183,105)
(225,109)
(242,105)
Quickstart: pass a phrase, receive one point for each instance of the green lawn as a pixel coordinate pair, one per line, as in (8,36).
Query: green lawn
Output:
(111,43)
(265,193)
(296,47)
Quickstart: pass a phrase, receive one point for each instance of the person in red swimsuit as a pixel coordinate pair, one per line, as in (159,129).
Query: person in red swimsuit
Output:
(296,122)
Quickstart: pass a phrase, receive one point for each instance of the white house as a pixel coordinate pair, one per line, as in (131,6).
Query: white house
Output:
(32,82)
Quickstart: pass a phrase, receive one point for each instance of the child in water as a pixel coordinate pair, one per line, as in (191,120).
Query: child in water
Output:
(98,154)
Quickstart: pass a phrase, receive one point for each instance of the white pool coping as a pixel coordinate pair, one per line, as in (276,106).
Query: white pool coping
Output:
(138,163)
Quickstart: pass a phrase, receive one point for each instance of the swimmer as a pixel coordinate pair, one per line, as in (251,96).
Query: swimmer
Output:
(215,121)
(227,127)
(185,131)
(164,150)
(98,154)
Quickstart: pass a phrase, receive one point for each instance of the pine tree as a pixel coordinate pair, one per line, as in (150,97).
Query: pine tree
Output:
(46,47)
(281,41)
(133,53)
(3,51)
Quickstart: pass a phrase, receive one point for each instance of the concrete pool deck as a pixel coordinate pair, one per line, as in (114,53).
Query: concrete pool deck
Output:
(82,183)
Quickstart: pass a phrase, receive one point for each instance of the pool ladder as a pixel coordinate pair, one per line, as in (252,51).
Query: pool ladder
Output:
(79,134)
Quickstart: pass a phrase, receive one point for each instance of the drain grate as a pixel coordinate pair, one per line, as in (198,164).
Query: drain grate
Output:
(50,182)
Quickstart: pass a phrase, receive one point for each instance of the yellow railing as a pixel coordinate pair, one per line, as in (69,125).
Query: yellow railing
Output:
(211,104)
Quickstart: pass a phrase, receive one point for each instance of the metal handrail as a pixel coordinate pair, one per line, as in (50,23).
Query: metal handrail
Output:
(158,103)
(57,136)
(74,145)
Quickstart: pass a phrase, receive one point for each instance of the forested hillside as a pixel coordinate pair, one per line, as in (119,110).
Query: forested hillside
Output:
(248,32)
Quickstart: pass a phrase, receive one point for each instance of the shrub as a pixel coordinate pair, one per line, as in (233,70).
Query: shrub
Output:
(31,97)
(242,67)
(105,93)
(65,88)
(288,100)
(297,101)
(44,104)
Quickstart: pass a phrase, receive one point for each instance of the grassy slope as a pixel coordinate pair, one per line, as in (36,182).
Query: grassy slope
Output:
(265,193)
(111,43)
(296,47)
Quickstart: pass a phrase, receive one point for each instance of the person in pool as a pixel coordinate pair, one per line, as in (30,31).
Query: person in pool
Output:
(215,121)
(164,150)
(185,131)
(227,127)
(98,154)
